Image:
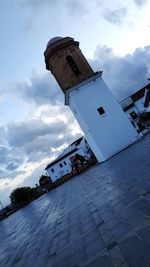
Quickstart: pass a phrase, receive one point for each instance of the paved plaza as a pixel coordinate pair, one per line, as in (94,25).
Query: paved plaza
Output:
(100,218)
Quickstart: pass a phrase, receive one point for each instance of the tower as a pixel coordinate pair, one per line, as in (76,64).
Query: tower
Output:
(104,123)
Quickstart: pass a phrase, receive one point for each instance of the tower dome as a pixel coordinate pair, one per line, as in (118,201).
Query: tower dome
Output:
(53,41)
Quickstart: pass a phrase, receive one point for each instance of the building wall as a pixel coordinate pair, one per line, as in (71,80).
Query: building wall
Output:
(137,107)
(133,121)
(106,134)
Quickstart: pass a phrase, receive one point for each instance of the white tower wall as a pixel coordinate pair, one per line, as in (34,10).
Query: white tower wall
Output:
(108,133)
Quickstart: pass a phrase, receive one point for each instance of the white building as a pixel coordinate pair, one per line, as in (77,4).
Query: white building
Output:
(134,104)
(62,164)
(105,125)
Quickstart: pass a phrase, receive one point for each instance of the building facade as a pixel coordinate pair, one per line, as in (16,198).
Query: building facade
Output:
(62,164)
(135,104)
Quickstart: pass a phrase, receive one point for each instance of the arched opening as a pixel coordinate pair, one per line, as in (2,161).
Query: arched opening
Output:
(73,65)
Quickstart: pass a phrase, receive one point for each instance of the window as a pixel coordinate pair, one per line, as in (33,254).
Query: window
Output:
(133,115)
(65,163)
(101,111)
(73,65)
(60,165)
(52,170)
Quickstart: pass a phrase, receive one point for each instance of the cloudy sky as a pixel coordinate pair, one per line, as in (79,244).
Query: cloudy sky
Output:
(34,124)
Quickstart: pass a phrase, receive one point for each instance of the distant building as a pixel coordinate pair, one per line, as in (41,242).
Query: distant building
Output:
(135,104)
(62,164)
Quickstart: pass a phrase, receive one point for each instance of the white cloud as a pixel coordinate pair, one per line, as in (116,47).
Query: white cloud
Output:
(115,16)
(124,75)
(140,3)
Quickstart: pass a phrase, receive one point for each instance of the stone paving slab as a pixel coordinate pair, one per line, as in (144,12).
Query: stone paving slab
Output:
(99,218)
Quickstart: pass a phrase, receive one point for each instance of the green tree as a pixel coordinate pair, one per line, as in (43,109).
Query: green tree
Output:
(44,180)
(22,194)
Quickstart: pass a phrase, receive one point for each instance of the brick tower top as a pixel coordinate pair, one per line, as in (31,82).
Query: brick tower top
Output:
(66,62)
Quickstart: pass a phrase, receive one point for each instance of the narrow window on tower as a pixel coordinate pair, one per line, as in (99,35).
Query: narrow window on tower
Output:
(101,111)
(73,65)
